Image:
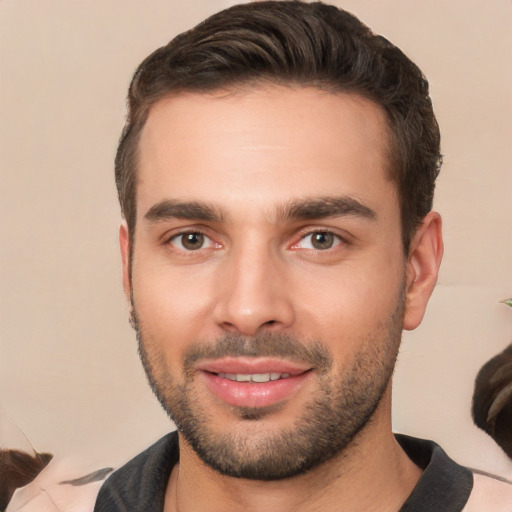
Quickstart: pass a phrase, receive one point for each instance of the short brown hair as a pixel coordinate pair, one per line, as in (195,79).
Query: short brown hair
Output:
(294,43)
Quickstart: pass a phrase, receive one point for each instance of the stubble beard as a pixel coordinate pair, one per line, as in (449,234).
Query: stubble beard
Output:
(330,422)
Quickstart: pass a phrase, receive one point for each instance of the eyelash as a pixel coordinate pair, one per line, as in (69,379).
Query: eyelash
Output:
(182,234)
(337,239)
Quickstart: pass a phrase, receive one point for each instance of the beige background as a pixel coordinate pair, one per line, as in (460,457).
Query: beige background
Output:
(69,372)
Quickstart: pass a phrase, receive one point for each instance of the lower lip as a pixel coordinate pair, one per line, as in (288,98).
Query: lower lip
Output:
(251,394)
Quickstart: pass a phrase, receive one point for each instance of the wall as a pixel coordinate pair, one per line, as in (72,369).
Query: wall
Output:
(69,371)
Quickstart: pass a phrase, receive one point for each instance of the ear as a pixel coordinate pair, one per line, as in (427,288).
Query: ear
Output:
(124,243)
(422,268)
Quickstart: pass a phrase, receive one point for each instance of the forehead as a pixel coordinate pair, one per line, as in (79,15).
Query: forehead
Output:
(262,145)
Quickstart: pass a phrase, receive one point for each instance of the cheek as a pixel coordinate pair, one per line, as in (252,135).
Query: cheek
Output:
(171,305)
(349,292)
(347,307)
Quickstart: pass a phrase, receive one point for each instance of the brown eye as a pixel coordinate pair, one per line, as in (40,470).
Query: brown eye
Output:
(322,240)
(192,241)
(189,241)
(319,241)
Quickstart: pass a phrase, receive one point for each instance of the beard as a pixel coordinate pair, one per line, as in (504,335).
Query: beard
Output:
(329,422)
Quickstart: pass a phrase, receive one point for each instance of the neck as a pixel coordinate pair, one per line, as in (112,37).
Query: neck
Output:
(372,473)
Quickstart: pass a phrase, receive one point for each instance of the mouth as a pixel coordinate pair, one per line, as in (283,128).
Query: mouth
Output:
(254,377)
(253,382)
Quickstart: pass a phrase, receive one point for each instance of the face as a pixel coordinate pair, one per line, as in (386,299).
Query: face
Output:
(268,274)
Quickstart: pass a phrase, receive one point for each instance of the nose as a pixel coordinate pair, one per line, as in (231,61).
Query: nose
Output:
(253,294)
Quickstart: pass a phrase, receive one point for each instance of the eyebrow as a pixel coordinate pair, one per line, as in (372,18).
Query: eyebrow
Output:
(193,210)
(322,207)
(300,209)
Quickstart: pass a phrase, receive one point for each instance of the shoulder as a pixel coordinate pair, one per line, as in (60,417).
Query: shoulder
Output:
(489,493)
(448,486)
(140,484)
(443,486)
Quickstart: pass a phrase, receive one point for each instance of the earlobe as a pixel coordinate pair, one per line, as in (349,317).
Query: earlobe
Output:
(124,243)
(422,268)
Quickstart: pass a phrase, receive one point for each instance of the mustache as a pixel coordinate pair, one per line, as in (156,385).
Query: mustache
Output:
(282,346)
(278,345)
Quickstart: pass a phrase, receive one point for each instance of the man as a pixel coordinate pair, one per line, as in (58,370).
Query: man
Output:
(276,176)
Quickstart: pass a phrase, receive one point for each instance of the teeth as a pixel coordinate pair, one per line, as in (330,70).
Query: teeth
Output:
(254,377)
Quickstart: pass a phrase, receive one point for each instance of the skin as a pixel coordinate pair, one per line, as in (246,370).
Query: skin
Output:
(249,154)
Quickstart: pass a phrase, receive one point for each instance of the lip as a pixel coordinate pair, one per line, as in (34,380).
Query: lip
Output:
(252,365)
(251,394)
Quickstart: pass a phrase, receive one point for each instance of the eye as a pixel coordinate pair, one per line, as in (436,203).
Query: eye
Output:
(318,241)
(191,241)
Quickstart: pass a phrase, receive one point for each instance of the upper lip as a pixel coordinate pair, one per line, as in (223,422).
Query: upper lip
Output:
(252,365)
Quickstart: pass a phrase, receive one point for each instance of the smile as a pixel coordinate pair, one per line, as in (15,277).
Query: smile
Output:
(260,382)
(254,377)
